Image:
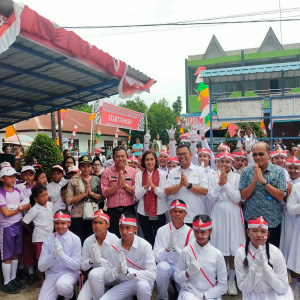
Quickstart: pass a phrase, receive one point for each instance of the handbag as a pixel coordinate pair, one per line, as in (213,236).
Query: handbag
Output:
(89,209)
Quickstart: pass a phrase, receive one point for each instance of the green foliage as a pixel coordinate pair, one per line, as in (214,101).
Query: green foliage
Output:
(137,105)
(177,106)
(45,151)
(84,107)
(253,125)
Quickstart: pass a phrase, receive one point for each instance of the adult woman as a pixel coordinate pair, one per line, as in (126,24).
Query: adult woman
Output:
(83,188)
(68,162)
(97,167)
(149,191)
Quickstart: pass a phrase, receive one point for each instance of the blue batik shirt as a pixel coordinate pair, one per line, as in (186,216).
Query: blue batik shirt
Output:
(259,204)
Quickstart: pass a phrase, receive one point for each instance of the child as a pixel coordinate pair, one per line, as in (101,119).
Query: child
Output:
(169,242)
(131,262)
(278,158)
(41,216)
(260,267)
(60,260)
(58,180)
(94,255)
(11,208)
(40,177)
(201,267)
(27,176)
(133,162)
(72,171)
(229,231)
(172,163)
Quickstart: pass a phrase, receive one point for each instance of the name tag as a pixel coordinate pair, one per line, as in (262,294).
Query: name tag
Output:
(114,177)
(128,178)
(176,177)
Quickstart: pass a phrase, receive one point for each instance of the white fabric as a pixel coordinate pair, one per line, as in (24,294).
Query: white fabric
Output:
(228,230)
(54,194)
(208,204)
(6,270)
(250,159)
(194,151)
(213,265)
(237,171)
(293,206)
(109,240)
(42,218)
(287,227)
(260,281)
(212,160)
(160,193)
(195,203)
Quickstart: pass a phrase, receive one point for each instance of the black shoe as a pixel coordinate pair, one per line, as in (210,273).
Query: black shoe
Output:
(21,274)
(10,288)
(19,284)
(30,280)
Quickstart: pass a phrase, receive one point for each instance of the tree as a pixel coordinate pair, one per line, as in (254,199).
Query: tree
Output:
(45,151)
(177,106)
(84,107)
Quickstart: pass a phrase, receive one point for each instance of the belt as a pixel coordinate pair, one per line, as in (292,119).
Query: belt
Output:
(120,208)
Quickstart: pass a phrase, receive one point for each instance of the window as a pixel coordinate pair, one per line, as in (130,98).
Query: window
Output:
(75,144)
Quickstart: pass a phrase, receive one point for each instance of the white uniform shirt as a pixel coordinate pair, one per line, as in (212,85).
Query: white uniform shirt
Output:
(54,194)
(195,203)
(235,170)
(87,248)
(162,238)
(293,202)
(71,258)
(42,218)
(141,256)
(160,193)
(257,279)
(213,265)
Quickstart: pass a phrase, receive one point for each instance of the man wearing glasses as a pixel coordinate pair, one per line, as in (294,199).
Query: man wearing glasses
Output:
(262,186)
(187,182)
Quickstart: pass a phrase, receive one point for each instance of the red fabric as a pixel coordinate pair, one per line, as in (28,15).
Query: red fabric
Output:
(150,198)
(38,249)
(27,257)
(8,23)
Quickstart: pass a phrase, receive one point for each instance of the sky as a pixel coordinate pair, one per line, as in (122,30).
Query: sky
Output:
(161,52)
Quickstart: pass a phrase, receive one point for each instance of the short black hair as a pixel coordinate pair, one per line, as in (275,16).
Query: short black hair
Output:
(38,172)
(63,164)
(97,158)
(129,215)
(36,190)
(203,218)
(5,147)
(64,187)
(180,201)
(119,148)
(144,158)
(182,146)
(63,211)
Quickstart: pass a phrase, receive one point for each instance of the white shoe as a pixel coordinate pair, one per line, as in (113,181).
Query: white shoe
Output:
(297,293)
(232,289)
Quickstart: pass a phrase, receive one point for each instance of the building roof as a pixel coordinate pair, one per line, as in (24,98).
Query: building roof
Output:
(44,67)
(42,123)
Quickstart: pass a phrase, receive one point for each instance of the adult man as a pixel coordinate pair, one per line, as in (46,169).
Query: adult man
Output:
(117,183)
(98,154)
(157,144)
(265,191)
(137,148)
(162,161)
(123,144)
(187,182)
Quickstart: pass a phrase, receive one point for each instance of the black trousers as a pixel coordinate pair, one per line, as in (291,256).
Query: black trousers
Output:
(150,227)
(115,214)
(82,228)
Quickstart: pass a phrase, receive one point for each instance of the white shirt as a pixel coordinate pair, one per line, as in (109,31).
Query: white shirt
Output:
(258,279)
(235,170)
(54,194)
(160,193)
(69,261)
(42,218)
(195,203)
(162,238)
(140,254)
(87,248)
(293,201)
(213,265)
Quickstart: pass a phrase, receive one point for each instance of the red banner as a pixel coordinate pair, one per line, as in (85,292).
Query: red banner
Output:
(116,116)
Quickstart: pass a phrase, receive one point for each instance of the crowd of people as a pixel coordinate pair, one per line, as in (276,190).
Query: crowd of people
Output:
(207,223)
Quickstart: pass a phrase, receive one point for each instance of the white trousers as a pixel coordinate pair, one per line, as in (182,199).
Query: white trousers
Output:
(94,287)
(126,289)
(58,284)
(165,272)
(185,295)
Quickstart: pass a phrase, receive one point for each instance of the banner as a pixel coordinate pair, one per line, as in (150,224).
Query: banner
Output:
(116,116)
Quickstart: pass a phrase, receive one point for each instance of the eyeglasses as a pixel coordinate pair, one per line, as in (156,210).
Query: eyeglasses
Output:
(258,154)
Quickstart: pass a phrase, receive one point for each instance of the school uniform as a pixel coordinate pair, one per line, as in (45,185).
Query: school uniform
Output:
(61,273)
(260,281)
(287,226)
(94,287)
(208,204)
(167,261)
(228,226)
(212,280)
(140,261)
(235,170)
(54,194)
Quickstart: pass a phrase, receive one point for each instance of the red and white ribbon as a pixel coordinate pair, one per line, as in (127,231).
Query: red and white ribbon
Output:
(73,134)
(116,137)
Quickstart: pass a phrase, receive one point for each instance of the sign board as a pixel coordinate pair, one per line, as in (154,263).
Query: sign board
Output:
(198,122)
(286,107)
(116,116)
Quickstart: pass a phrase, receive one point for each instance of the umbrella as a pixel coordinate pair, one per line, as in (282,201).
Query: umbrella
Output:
(22,137)
(186,136)
(64,140)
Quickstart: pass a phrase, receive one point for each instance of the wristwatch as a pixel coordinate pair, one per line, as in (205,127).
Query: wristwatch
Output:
(189,186)
(266,183)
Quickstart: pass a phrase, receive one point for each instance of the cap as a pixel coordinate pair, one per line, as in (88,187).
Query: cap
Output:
(28,168)
(7,171)
(278,152)
(73,169)
(101,214)
(205,151)
(176,204)
(97,150)
(58,167)
(127,221)
(163,152)
(226,155)
(258,223)
(85,159)
(199,225)
(60,216)
(5,164)
(37,166)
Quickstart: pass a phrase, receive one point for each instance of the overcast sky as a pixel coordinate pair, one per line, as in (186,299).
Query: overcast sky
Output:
(161,52)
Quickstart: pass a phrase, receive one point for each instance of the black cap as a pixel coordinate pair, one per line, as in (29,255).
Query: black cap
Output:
(85,159)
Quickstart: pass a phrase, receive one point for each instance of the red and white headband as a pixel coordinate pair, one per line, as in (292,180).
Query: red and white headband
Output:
(258,223)
(59,216)
(173,159)
(293,161)
(226,155)
(101,214)
(238,154)
(133,159)
(176,204)
(218,156)
(205,151)
(163,152)
(278,152)
(226,147)
(127,221)
(199,225)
